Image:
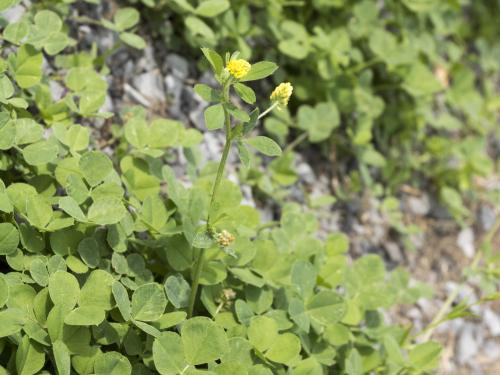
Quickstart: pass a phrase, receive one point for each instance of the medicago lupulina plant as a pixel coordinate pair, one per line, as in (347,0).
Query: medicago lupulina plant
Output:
(112,265)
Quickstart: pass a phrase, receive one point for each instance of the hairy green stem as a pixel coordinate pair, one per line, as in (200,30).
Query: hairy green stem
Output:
(296,142)
(222,163)
(220,173)
(366,64)
(274,105)
(196,281)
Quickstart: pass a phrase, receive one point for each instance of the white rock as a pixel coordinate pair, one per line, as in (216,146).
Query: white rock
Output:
(487,217)
(492,320)
(150,85)
(56,89)
(394,251)
(491,349)
(13,14)
(467,346)
(419,205)
(465,241)
(178,65)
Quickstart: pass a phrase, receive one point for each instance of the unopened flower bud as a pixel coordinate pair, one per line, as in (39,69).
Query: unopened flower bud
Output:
(282,94)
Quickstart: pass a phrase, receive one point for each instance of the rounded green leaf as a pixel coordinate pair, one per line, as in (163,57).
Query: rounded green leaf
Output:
(40,153)
(133,40)
(39,273)
(77,138)
(88,248)
(262,332)
(95,167)
(48,21)
(6,88)
(106,210)
(148,302)
(71,207)
(11,321)
(38,211)
(425,356)
(7,135)
(285,348)
(211,8)
(260,70)
(121,298)
(326,307)
(178,290)
(62,357)
(96,291)
(28,66)
(203,340)
(64,289)
(214,117)
(30,357)
(15,32)
(168,354)
(9,238)
(27,131)
(265,145)
(125,18)
(112,363)
(4,290)
(85,316)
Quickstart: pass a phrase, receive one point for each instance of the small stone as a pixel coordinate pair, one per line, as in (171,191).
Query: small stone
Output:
(394,252)
(13,14)
(492,320)
(420,206)
(149,84)
(197,117)
(487,217)
(491,349)
(247,196)
(467,346)
(465,241)
(56,89)
(178,65)
(306,173)
(174,87)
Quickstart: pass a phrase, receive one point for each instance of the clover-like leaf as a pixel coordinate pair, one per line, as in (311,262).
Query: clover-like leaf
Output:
(203,341)
(168,354)
(148,302)
(265,145)
(28,66)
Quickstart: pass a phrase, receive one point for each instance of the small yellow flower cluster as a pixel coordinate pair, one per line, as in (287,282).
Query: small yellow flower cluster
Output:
(281,94)
(224,238)
(238,68)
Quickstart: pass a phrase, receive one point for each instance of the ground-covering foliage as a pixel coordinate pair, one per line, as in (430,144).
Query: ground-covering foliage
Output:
(116,263)
(405,91)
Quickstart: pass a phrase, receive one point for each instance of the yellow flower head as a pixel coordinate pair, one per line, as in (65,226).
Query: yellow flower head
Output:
(281,94)
(224,238)
(238,68)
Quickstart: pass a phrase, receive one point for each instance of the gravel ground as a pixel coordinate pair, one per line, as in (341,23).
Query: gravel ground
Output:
(162,82)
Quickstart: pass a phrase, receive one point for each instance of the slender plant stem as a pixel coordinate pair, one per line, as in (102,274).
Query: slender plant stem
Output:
(296,142)
(361,66)
(220,173)
(269,224)
(222,164)
(196,281)
(275,104)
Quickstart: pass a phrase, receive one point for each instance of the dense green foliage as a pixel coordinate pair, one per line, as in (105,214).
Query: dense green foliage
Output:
(112,264)
(405,90)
